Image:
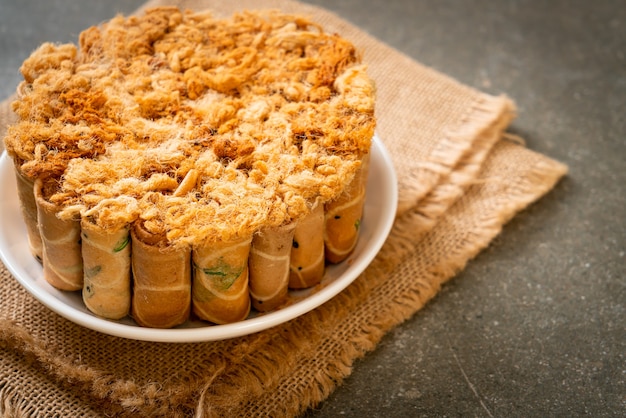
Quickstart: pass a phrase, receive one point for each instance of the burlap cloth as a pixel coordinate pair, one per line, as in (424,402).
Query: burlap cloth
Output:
(459,181)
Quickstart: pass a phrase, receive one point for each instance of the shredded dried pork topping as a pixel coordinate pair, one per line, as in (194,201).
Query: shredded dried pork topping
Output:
(205,129)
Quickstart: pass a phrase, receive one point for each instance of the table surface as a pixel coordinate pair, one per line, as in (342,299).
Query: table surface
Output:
(535,325)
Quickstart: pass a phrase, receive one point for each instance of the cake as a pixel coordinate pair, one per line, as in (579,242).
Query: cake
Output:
(175,164)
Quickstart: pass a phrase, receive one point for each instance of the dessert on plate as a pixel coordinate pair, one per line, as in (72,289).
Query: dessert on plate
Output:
(175,164)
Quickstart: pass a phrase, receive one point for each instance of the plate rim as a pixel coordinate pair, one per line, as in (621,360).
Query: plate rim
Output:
(212,332)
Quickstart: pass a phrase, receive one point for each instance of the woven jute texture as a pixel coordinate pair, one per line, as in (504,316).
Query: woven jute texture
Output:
(459,183)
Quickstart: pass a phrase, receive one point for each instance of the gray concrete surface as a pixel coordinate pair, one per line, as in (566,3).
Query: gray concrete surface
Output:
(535,325)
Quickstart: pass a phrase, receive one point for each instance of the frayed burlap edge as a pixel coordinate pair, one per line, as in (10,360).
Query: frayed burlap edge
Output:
(105,391)
(27,389)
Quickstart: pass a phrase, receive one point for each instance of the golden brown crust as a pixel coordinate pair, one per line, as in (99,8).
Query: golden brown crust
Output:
(263,103)
(61,248)
(161,281)
(220,282)
(28,208)
(106,265)
(307,263)
(269,267)
(342,219)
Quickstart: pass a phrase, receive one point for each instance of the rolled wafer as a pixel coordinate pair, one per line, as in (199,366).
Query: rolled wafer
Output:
(106,266)
(28,208)
(161,280)
(342,218)
(220,281)
(307,250)
(269,266)
(61,248)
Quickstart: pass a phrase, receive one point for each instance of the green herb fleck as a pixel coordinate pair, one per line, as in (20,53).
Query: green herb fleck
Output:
(222,274)
(357,224)
(122,244)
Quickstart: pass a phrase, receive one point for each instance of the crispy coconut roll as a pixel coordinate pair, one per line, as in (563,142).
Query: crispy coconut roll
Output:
(106,265)
(307,250)
(215,136)
(106,250)
(61,248)
(220,281)
(343,217)
(269,266)
(161,280)
(28,208)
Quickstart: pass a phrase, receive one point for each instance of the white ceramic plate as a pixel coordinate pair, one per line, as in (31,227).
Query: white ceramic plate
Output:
(380,209)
